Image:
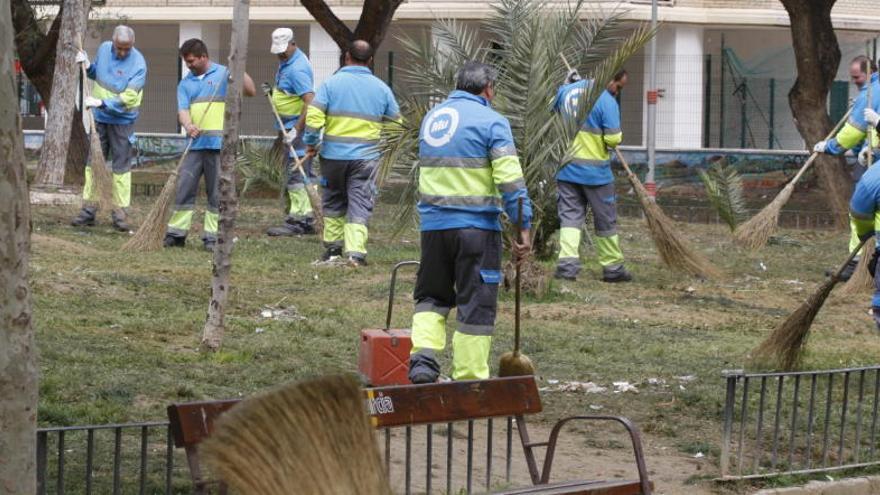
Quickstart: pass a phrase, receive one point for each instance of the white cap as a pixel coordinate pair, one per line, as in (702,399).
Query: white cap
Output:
(281,38)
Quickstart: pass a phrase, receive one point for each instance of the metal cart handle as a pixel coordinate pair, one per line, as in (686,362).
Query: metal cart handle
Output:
(391,291)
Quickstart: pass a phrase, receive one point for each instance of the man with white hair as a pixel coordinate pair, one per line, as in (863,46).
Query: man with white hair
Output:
(120,73)
(291,94)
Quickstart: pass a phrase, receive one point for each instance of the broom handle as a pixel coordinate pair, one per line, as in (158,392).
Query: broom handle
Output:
(296,160)
(516,293)
(814,155)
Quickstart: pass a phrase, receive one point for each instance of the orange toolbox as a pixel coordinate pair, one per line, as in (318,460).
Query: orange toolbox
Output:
(384,353)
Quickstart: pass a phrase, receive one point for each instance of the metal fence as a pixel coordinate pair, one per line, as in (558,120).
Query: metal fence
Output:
(467,457)
(795,219)
(799,422)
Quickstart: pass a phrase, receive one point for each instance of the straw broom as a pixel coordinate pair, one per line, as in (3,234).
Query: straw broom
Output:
(313,437)
(755,233)
(861,279)
(673,249)
(784,346)
(312,192)
(152,231)
(101,179)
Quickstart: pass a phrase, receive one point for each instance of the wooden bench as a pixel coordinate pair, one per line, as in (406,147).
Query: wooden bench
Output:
(440,403)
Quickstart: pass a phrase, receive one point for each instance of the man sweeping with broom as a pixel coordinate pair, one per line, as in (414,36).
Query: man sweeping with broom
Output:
(587,181)
(201,97)
(855,131)
(469,173)
(120,73)
(291,95)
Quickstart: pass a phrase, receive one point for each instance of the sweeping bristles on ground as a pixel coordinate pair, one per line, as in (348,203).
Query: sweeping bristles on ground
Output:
(782,349)
(673,249)
(312,437)
(861,280)
(755,233)
(150,234)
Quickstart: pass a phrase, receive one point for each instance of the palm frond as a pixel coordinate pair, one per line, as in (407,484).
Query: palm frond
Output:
(724,189)
(261,166)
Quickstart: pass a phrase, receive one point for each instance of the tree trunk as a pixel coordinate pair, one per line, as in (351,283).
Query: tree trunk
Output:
(215,326)
(372,26)
(818,56)
(18,367)
(36,51)
(56,140)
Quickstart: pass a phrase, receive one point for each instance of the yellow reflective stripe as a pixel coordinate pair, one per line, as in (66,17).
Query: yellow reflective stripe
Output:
(456,181)
(212,220)
(181,220)
(853,235)
(569,241)
(102,93)
(506,169)
(343,126)
(122,189)
(299,203)
(355,236)
(861,226)
(608,250)
(850,136)
(333,229)
(428,331)
(131,98)
(315,117)
(589,146)
(89,185)
(210,121)
(288,105)
(612,140)
(470,356)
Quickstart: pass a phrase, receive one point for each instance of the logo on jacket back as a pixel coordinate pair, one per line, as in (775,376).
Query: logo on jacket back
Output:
(572,99)
(440,127)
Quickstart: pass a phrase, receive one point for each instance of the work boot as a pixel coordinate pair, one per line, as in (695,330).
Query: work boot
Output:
(86,217)
(119,223)
(289,228)
(423,368)
(357,261)
(616,274)
(331,252)
(562,275)
(174,241)
(308,226)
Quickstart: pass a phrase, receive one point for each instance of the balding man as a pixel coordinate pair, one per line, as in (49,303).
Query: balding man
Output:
(351,107)
(120,73)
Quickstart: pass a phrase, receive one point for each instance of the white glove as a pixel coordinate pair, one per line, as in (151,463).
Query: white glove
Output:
(83,58)
(872,117)
(820,147)
(92,102)
(290,136)
(572,76)
(863,156)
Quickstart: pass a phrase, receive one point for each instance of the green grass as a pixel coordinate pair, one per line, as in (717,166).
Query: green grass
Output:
(118,333)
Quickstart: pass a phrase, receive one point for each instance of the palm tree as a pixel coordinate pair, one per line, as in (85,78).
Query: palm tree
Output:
(523,39)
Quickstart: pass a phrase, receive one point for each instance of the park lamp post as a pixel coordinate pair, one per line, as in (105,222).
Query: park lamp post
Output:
(650,185)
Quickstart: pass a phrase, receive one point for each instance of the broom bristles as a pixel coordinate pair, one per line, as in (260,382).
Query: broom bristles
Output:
(307,438)
(755,233)
(783,348)
(861,280)
(673,249)
(150,234)
(100,173)
(315,200)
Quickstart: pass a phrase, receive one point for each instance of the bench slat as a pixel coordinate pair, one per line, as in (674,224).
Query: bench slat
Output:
(580,488)
(409,405)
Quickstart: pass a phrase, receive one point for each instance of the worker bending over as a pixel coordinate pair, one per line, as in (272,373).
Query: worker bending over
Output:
(469,173)
(120,73)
